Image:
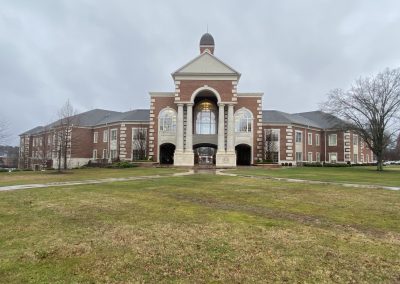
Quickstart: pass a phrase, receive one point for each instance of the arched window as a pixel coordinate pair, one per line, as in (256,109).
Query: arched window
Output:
(167,120)
(243,119)
(205,112)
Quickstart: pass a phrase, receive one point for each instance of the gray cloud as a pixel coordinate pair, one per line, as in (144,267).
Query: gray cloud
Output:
(102,54)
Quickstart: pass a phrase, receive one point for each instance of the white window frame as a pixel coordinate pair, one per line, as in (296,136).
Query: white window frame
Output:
(317,142)
(95,137)
(164,127)
(94,154)
(318,157)
(246,116)
(329,140)
(355,158)
(105,136)
(355,138)
(111,154)
(331,154)
(301,157)
(277,133)
(308,157)
(114,130)
(104,155)
(309,139)
(301,136)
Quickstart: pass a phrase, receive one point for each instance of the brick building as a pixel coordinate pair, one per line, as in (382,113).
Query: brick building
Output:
(204,120)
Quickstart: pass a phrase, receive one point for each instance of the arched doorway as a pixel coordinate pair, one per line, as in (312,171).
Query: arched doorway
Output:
(204,154)
(243,155)
(167,151)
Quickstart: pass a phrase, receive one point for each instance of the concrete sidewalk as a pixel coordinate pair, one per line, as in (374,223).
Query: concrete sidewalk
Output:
(355,185)
(90,181)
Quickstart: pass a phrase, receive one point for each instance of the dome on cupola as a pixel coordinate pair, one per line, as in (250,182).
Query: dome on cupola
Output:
(207,43)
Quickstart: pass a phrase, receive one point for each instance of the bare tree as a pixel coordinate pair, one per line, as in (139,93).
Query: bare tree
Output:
(63,127)
(370,107)
(270,145)
(139,142)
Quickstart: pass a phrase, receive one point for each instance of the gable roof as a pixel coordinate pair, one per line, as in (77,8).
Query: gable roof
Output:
(206,64)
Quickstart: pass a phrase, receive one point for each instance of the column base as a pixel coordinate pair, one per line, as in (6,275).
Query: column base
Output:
(226,159)
(184,159)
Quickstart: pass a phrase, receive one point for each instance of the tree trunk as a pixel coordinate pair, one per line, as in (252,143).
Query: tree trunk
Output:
(379,166)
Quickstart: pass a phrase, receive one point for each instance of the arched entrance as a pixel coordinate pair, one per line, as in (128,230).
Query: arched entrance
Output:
(167,151)
(204,154)
(243,155)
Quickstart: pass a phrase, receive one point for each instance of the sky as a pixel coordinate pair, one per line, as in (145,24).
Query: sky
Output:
(111,54)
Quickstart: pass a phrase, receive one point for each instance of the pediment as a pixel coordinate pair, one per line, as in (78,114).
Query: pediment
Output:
(206,63)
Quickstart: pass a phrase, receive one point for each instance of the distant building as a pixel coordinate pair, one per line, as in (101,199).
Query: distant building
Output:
(204,120)
(9,157)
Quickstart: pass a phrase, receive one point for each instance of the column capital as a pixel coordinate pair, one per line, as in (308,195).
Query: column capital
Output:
(180,104)
(190,104)
(221,104)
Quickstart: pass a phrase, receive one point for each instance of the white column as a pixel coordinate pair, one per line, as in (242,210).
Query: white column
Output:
(179,131)
(189,128)
(231,128)
(221,128)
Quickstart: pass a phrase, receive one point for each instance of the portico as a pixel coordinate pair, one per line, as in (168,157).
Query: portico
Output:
(199,116)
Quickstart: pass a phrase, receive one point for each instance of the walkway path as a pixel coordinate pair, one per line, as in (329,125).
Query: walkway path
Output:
(89,181)
(373,186)
(190,172)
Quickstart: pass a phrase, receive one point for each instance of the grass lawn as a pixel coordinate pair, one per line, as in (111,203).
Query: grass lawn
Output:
(30,177)
(362,175)
(200,228)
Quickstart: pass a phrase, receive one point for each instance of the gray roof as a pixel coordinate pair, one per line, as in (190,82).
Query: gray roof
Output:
(207,39)
(96,117)
(37,129)
(316,119)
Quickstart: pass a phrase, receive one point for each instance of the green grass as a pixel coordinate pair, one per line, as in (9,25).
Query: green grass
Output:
(30,177)
(361,175)
(200,228)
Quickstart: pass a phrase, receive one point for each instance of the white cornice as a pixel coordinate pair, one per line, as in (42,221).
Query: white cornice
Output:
(250,94)
(161,94)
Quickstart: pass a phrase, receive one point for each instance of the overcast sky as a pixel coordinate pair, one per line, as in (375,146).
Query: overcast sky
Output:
(110,54)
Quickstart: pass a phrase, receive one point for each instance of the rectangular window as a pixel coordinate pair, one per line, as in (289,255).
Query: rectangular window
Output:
(94,154)
(104,153)
(355,140)
(332,140)
(139,143)
(362,158)
(317,139)
(114,134)
(318,157)
(299,156)
(113,154)
(95,137)
(105,136)
(309,157)
(309,138)
(355,158)
(272,145)
(298,137)
(272,135)
(332,157)
(367,158)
